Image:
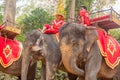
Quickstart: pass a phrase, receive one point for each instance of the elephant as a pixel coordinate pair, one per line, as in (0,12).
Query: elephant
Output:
(78,44)
(48,52)
(15,69)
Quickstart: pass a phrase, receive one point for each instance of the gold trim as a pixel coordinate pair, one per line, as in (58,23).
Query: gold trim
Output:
(108,47)
(5,49)
(12,60)
(104,54)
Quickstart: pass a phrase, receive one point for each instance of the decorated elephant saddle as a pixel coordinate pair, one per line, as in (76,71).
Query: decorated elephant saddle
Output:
(110,49)
(10,51)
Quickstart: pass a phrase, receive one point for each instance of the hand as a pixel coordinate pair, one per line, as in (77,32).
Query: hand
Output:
(40,29)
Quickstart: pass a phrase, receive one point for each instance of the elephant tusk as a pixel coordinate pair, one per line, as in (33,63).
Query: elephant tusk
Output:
(36,48)
(88,49)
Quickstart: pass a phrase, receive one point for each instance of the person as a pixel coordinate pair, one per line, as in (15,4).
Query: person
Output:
(84,16)
(50,29)
(56,25)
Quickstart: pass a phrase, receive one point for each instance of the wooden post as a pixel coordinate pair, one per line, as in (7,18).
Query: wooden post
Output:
(9,12)
(71,15)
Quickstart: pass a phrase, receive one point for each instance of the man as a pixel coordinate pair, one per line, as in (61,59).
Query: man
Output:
(84,16)
(56,25)
(51,29)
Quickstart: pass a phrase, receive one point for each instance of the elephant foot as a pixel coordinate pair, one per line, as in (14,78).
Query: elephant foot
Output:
(36,48)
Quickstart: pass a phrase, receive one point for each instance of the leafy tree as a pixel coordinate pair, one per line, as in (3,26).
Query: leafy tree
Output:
(1,17)
(61,6)
(10,11)
(1,13)
(100,4)
(115,33)
(36,19)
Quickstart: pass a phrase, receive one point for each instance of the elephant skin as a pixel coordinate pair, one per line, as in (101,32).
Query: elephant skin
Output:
(78,45)
(49,53)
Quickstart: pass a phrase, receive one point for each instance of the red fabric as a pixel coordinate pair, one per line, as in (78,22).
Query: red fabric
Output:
(47,26)
(10,51)
(84,13)
(1,27)
(55,27)
(100,18)
(51,31)
(110,49)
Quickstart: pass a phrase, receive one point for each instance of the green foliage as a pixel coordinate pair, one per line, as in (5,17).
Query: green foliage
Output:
(20,37)
(60,75)
(87,3)
(4,76)
(98,5)
(36,19)
(115,33)
(1,16)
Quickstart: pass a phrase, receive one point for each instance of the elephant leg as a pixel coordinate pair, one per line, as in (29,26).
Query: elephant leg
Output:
(43,72)
(91,74)
(72,77)
(81,78)
(93,63)
(92,70)
(25,65)
(31,71)
(50,70)
(19,78)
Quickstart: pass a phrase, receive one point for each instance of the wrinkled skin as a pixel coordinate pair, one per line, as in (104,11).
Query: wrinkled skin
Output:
(49,53)
(15,69)
(79,45)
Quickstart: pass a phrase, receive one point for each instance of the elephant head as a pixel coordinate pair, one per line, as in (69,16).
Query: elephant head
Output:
(75,41)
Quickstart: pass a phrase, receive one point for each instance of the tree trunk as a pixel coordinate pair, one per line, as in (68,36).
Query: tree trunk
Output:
(71,15)
(9,12)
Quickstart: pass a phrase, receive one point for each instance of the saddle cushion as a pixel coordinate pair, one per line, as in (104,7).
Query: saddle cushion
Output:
(110,49)
(10,51)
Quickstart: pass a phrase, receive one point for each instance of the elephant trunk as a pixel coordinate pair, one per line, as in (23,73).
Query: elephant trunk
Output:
(69,61)
(25,64)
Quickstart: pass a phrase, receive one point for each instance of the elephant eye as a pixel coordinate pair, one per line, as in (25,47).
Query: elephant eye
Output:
(78,45)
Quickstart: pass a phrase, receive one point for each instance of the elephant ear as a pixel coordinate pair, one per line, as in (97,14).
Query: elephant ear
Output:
(90,37)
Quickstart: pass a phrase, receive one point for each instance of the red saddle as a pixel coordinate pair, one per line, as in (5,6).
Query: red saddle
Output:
(110,49)
(10,51)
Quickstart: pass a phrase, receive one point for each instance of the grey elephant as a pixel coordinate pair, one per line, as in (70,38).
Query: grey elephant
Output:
(48,52)
(78,45)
